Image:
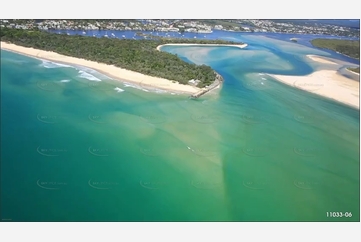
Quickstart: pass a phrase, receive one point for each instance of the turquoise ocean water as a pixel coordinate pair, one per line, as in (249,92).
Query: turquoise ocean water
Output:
(78,146)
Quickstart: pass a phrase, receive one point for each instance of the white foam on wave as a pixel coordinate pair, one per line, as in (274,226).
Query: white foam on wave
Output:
(118,89)
(65,81)
(88,76)
(135,86)
(150,89)
(84,72)
(160,91)
(50,64)
(128,85)
(263,78)
(93,72)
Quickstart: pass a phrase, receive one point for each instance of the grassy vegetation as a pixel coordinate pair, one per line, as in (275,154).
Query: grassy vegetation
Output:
(350,48)
(136,55)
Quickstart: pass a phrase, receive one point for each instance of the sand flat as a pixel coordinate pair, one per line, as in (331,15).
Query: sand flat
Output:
(327,83)
(109,70)
(321,59)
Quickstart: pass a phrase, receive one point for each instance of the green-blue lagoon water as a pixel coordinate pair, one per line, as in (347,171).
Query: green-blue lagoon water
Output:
(79,146)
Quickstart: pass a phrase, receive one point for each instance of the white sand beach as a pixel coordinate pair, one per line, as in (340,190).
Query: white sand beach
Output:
(215,45)
(109,70)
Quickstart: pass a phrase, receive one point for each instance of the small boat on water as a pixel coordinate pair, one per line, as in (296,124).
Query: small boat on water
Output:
(113,34)
(123,36)
(84,32)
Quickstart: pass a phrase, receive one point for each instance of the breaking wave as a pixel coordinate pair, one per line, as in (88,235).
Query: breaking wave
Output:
(88,76)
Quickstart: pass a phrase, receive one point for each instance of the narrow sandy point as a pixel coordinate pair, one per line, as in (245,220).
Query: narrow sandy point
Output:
(321,59)
(353,72)
(215,45)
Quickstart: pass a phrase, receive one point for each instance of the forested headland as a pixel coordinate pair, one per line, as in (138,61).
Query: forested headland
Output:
(136,55)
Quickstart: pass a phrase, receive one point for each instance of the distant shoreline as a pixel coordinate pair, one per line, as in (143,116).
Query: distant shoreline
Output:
(119,74)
